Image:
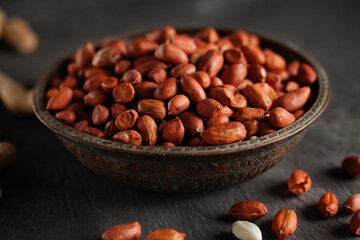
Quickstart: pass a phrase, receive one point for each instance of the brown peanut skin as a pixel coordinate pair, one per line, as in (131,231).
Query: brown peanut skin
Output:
(152,107)
(209,35)
(106,57)
(202,78)
(224,133)
(234,74)
(208,107)
(145,90)
(94,82)
(299,182)
(147,66)
(225,44)
(239,101)
(131,76)
(166,90)
(178,104)
(351,165)
(70,82)
(257,73)
(352,204)
(148,130)
(82,125)
(79,109)
(51,92)
(298,113)
(328,205)
(242,85)
(91,72)
(116,109)
(73,69)
(293,68)
(182,69)
(355,223)
(274,80)
(269,90)
(291,86)
(109,84)
(171,54)
(306,74)
(248,210)
(160,35)
(279,117)
(211,62)
(157,75)
(240,38)
(284,224)
(140,47)
(84,54)
(128,136)
(192,89)
(193,123)
(110,128)
(94,132)
(183,42)
(227,111)
(122,66)
(167,144)
(215,82)
(257,97)
(124,92)
(247,113)
(66,117)
(265,129)
(100,115)
(60,100)
(254,54)
(231,88)
(127,119)
(233,56)
(126,231)
(275,62)
(222,95)
(217,119)
(95,97)
(293,101)
(143,59)
(173,131)
(195,141)
(167,234)
(78,95)
(252,127)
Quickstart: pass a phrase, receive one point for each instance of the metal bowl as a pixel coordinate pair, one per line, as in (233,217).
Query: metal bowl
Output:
(185,169)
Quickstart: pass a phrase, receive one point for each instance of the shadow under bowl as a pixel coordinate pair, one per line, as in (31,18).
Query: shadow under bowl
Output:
(185,169)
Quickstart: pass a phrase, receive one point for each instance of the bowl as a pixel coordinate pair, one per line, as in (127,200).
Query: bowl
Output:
(185,168)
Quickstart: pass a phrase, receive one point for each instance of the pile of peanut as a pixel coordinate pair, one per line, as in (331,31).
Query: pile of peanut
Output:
(171,89)
(284,222)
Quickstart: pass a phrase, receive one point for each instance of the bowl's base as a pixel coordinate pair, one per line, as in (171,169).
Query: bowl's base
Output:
(182,174)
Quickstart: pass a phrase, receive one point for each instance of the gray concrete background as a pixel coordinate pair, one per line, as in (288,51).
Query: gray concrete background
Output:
(48,194)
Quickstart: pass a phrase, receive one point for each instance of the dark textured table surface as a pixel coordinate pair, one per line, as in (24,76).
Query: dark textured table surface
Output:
(48,194)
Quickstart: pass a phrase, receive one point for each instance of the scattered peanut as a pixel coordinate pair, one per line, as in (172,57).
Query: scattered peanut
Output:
(245,230)
(299,182)
(284,223)
(126,231)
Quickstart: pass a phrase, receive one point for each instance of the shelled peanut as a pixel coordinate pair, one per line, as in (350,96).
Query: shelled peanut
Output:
(169,88)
